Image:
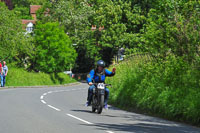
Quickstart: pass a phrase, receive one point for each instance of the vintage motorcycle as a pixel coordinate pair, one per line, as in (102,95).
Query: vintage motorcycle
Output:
(98,97)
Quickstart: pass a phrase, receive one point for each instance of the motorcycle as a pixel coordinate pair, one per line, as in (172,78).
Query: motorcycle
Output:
(98,97)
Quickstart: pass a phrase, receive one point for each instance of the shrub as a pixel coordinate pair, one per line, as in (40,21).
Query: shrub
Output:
(169,88)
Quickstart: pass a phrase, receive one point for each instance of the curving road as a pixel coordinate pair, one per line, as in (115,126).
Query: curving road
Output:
(62,110)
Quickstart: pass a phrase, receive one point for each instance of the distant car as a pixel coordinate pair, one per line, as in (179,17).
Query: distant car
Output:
(121,54)
(121,57)
(68,72)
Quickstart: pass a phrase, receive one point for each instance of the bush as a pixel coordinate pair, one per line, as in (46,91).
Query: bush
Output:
(170,88)
(53,49)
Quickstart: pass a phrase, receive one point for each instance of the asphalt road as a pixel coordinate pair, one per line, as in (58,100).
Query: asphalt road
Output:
(62,110)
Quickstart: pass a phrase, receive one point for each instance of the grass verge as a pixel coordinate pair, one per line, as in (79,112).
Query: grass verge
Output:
(20,77)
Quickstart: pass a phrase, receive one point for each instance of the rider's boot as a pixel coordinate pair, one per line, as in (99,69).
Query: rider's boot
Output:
(106,106)
(88,104)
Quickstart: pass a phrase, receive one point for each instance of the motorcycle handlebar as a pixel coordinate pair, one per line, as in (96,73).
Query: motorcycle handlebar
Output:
(104,84)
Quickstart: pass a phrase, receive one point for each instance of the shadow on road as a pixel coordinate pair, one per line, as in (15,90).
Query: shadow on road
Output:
(85,111)
(117,121)
(89,111)
(143,128)
(137,123)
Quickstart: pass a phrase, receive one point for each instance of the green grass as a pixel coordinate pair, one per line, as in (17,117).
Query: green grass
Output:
(20,77)
(169,88)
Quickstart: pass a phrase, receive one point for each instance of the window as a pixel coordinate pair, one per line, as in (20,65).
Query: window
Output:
(29,27)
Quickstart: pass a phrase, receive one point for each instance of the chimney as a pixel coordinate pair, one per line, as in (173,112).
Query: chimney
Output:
(33,10)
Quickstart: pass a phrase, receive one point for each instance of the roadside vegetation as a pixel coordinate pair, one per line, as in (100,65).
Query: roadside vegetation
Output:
(74,34)
(170,89)
(20,77)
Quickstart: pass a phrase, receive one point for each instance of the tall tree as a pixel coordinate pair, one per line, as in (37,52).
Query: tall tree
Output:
(27,3)
(12,38)
(122,24)
(53,49)
(175,30)
(76,18)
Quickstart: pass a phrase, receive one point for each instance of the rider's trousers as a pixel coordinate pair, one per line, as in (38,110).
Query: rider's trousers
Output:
(90,91)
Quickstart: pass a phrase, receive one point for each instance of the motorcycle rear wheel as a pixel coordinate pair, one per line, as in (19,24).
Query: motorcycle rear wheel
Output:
(93,109)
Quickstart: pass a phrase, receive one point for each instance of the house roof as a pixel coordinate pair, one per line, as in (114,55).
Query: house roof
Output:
(34,8)
(24,21)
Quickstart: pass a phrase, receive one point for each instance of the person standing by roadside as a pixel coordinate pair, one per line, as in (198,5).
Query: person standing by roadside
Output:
(4,74)
(1,69)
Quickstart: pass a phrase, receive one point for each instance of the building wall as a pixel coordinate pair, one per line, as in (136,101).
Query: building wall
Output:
(34,16)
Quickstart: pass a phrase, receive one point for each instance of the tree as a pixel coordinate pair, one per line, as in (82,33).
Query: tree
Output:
(8,4)
(12,38)
(23,12)
(27,3)
(175,30)
(119,20)
(53,49)
(76,18)
(122,23)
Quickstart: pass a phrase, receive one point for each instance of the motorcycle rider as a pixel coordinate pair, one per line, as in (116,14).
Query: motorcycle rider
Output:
(98,75)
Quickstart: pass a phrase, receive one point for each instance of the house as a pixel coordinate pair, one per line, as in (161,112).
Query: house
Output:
(29,24)
(33,10)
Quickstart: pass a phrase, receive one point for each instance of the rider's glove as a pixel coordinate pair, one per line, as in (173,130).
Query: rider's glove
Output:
(114,69)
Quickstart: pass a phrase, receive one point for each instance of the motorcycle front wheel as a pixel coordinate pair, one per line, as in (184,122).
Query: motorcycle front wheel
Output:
(101,104)
(94,103)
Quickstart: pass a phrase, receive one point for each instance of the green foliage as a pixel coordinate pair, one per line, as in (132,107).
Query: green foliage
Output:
(22,7)
(23,12)
(20,77)
(169,88)
(109,16)
(175,30)
(169,85)
(53,49)
(122,21)
(75,17)
(158,27)
(27,3)
(13,42)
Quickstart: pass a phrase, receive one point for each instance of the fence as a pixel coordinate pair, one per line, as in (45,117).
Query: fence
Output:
(148,57)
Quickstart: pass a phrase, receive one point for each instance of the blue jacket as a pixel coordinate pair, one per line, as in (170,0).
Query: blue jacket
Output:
(98,78)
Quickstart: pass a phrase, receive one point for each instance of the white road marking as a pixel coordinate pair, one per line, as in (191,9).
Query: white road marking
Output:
(42,97)
(87,122)
(109,132)
(43,101)
(79,119)
(54,107)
